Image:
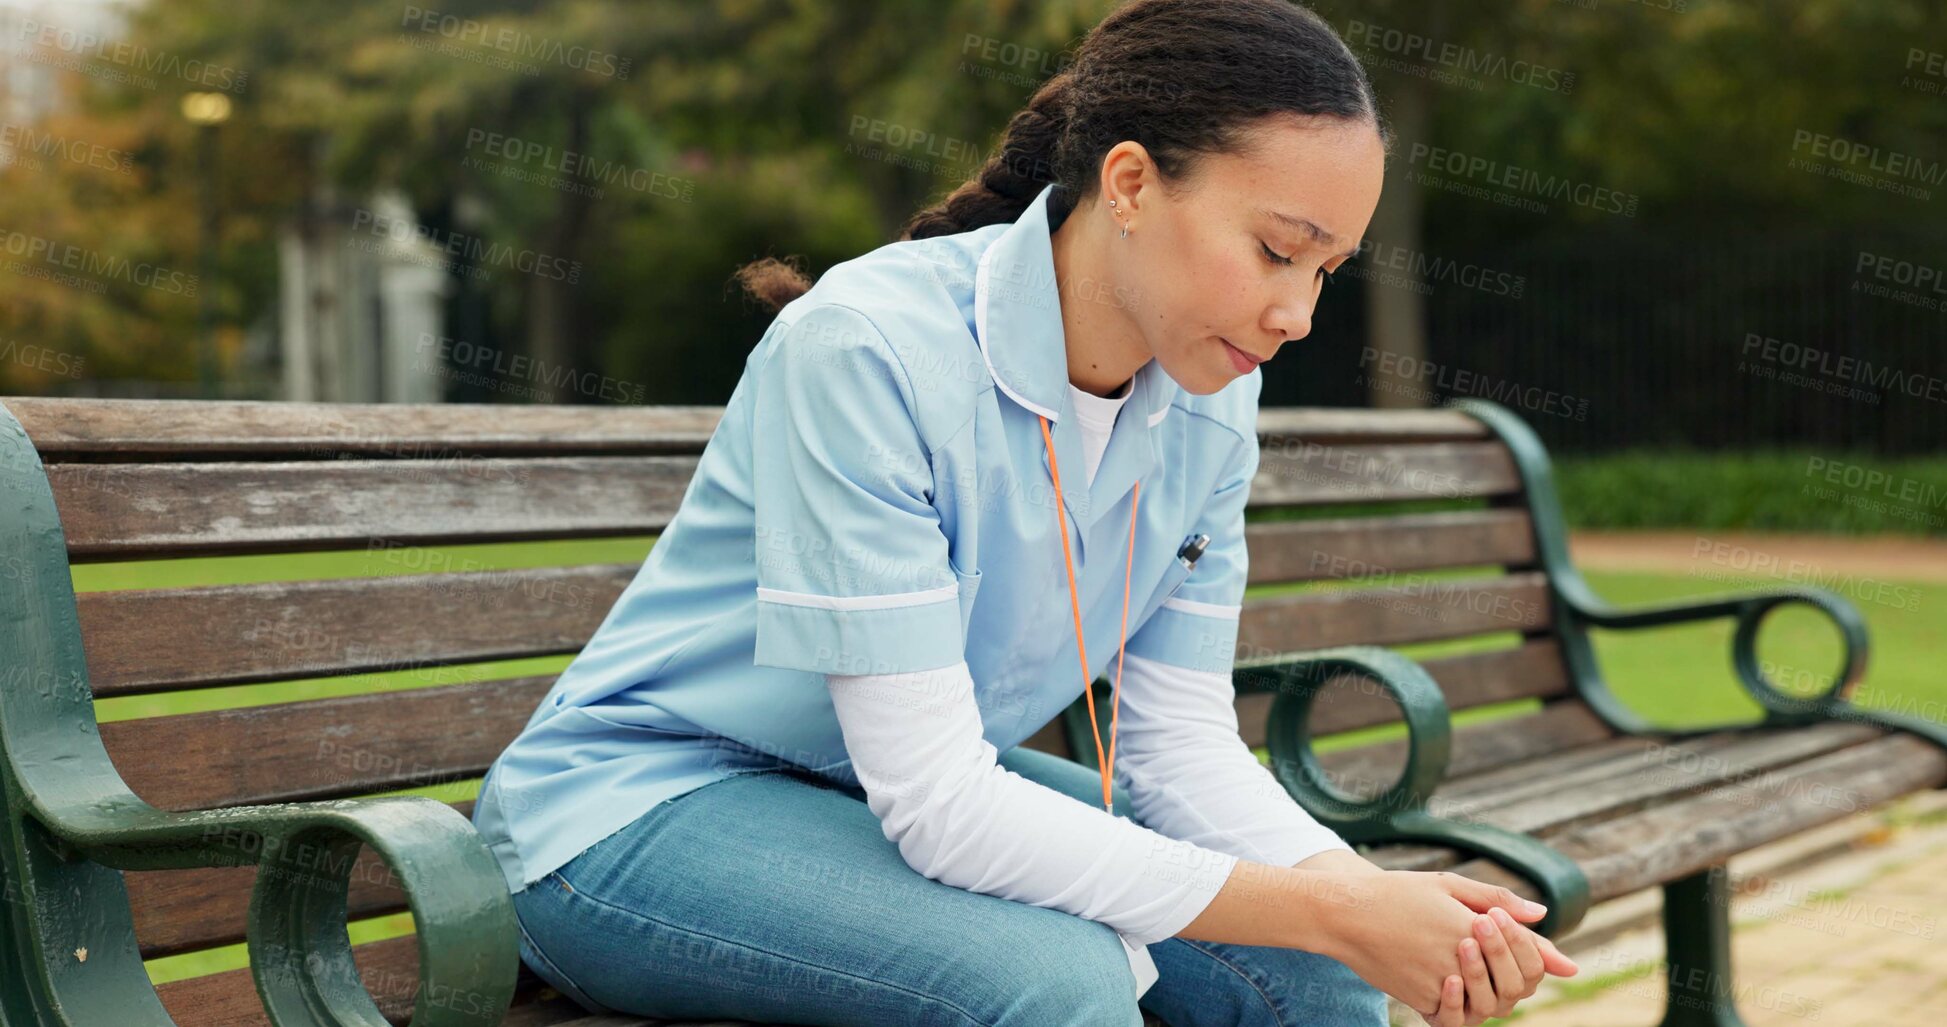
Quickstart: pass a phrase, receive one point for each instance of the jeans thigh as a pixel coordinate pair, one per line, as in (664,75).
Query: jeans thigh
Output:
(1218,984)
(775,897)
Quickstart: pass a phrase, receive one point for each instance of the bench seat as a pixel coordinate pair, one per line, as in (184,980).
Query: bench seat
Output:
(1371,530)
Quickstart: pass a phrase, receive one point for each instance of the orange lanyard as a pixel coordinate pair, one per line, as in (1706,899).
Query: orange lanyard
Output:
(1106,763)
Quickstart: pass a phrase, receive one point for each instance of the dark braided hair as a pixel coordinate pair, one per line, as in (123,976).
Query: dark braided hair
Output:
(1182,77)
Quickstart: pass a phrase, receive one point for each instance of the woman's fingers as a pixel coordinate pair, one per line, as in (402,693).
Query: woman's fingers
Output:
(1552,959)
(1523,943)
(1480,986)
(1453,1004)
(1481,897)
(1510,986)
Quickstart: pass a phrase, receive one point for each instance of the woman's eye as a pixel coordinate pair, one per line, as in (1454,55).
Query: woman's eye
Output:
(1272,255)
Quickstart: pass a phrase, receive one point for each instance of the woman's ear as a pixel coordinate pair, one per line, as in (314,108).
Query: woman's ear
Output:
(1127,171)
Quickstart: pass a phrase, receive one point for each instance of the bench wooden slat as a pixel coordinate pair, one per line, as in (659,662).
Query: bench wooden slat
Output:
(1558,796)
(323,748)
(1564,739)
(277,631)
(352,745)
(1521,780)
(1425,611)
(1668,840)
(126,511)
(1352,424)
(171,429)
(1478,747)
(1356,547)
(1298,472)
(133,429)
(229,999)
(136,511)
(1685,836)
(1619,779)
(389,970)
(1533,670)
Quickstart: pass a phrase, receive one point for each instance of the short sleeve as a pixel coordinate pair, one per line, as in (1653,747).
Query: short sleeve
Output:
(852,569)
(1196,627)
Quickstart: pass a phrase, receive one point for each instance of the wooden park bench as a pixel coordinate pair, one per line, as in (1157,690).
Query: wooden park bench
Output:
(170,834)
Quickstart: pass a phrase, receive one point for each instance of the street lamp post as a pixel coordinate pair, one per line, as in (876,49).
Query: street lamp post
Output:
(206,111)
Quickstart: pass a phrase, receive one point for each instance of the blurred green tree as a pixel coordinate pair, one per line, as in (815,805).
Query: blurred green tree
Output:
(656,145)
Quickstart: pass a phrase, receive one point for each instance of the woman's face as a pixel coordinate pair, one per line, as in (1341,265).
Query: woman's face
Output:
(1227,265)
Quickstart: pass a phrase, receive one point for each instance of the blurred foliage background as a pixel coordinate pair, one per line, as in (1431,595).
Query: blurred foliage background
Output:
(1730,337)
(1705,300)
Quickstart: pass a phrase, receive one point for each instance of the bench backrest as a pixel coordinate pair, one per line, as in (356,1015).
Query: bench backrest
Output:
(1389,501)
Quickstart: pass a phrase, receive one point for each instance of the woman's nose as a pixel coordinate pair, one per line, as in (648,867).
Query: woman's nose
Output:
(1288,322)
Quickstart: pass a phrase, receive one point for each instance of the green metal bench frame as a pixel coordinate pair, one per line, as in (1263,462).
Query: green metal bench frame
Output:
(68,953)
(68,949)
(1696,907)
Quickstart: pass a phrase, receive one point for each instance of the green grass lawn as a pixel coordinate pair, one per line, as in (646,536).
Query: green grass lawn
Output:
(1676,676)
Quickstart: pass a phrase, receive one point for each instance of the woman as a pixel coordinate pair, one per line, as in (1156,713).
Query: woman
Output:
(781,782)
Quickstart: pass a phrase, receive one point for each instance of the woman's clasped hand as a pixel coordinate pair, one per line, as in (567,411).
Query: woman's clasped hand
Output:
(1453,949)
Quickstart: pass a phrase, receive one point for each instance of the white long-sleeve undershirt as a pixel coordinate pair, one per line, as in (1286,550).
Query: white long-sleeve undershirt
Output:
(1201,798)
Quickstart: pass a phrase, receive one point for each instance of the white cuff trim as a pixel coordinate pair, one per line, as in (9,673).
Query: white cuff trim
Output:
(1191,606)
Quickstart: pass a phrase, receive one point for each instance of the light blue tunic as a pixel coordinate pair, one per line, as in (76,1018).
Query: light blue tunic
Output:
(877,499)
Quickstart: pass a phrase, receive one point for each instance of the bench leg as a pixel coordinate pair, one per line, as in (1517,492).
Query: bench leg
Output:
(1697,939)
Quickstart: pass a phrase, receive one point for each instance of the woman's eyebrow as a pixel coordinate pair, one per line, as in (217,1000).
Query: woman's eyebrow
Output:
(1307,226)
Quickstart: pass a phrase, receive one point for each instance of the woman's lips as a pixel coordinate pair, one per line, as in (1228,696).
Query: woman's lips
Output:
(1239,359)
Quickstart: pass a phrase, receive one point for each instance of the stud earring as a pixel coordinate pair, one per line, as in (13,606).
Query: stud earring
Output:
(1118,213)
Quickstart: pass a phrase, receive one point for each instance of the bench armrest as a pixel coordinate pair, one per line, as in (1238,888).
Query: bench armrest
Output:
(1297,680)
(300,953)
(1749,611)
(1577,607)
(1399,814)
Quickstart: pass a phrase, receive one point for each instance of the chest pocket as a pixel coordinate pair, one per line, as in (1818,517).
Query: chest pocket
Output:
(1173,579)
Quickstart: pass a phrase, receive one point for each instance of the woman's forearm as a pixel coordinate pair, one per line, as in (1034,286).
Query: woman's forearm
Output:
(1341,860)
(1292,907)
(1289,907)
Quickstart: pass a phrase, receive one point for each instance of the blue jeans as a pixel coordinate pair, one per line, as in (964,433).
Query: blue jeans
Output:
(775,897)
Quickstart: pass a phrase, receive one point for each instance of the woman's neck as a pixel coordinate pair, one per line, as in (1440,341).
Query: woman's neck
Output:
(1104,348)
